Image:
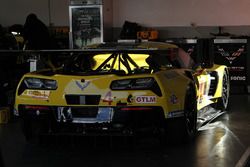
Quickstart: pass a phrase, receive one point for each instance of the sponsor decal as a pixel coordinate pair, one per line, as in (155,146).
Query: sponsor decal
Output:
(40,94)
(81,85)
(173,99)
(130,99)
(145,99)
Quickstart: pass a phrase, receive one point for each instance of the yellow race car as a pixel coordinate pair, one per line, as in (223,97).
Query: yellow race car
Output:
(122,88)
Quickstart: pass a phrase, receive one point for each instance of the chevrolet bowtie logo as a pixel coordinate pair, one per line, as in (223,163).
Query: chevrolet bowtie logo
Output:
(82,86)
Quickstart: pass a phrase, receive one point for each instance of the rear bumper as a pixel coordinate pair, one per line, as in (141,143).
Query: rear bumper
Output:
(96,119)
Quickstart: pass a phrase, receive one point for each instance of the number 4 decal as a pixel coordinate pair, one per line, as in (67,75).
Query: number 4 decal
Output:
(108,98)
(202,91)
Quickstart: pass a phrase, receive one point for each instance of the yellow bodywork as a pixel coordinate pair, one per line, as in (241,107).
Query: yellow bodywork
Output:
(172,83)
(100,85)
(203,99)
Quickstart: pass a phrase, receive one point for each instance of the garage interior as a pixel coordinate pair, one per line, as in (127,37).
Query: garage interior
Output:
(223,141)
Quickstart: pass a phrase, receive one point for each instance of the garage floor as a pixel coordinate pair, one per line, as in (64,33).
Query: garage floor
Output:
(221,143)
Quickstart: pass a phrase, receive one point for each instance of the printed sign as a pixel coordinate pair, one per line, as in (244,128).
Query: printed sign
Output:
(233,54)
(85,25)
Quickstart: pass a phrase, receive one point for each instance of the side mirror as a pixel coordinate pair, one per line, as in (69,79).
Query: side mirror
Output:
(205,51)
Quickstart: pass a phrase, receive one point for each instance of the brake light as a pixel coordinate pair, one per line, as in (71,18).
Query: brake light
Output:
(37,107)
(135,108)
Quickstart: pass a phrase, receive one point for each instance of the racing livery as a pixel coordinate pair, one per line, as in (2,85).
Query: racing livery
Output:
(122,87)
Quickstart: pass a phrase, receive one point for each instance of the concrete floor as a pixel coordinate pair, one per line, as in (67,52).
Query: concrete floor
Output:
(221,143)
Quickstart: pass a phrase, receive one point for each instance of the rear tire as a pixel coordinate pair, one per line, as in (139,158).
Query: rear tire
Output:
(222,102)
(184,129)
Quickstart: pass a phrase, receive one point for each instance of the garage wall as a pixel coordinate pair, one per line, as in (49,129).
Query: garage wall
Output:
(159,13)
(185,18)
(179,18)
(182,12)
(15,11)
(59,12)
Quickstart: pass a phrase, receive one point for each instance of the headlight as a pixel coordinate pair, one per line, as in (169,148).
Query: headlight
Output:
(33,83)
(37,83)
(148,83)
(139,83)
